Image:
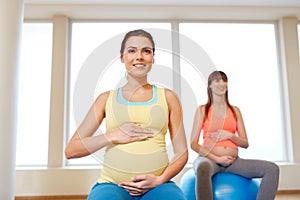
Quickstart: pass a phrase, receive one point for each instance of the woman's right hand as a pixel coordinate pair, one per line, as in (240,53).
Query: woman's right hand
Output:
(225,160)
(129,132)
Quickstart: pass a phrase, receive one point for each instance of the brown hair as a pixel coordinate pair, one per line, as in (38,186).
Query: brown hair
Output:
(216,75)
(138,32)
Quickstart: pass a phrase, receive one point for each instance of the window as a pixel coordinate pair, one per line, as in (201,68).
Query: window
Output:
(96,67)
(247,54)
(231,47)
(34,95)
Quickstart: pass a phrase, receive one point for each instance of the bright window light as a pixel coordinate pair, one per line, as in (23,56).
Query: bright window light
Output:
(95,51)
(34,95)
(247,53)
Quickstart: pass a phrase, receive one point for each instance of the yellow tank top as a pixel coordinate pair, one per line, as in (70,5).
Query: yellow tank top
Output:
(123,161)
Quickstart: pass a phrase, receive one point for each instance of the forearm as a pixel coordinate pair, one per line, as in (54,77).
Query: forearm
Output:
(241,142)
(207,152)
(174,167)
(203,151)
(80,147)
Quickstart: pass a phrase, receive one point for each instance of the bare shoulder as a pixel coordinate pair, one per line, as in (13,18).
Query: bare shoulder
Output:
(100,102)
(172,99)
(201,110)
(235,108)
(171,95)
(102,98)
(236,111)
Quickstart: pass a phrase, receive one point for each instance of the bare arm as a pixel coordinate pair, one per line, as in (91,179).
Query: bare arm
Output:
(242,139)
(196,131)
(178,138)
(83,142)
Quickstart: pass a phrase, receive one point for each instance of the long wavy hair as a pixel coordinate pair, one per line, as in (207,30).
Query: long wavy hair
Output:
(216,75)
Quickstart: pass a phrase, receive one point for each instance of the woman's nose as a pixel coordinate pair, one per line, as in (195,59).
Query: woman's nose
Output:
(139,54)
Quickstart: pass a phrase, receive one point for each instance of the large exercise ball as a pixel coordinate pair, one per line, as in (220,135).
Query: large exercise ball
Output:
(187,184)
(226,186)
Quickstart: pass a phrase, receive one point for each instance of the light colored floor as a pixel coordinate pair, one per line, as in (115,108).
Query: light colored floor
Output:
(287,197)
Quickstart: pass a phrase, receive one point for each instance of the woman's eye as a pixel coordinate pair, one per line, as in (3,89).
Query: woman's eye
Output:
(148,51)
(131,51)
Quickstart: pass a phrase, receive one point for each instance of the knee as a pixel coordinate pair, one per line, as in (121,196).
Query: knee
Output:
(272,169)
(275,169)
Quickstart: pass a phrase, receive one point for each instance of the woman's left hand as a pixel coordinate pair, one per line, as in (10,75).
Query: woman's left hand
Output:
(140,184)
(221,135)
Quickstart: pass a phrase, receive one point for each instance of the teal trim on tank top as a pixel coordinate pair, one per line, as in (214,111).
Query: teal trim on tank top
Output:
(121,99)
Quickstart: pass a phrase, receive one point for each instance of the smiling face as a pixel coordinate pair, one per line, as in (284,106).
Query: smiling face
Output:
(217,83)
(218,86)
(138,56)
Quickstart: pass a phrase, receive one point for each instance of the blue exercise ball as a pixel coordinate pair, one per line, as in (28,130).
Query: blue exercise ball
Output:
(188,184)
(226,186)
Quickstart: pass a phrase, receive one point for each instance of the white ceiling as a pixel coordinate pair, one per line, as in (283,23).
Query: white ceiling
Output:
(284,3)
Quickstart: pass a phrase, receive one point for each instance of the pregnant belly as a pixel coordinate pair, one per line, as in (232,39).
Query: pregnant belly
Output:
(116,176)
(225,151)
(137,161)
(121,164)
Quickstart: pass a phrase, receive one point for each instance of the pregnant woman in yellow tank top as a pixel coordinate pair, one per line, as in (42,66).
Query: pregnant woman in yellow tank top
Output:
(138,115)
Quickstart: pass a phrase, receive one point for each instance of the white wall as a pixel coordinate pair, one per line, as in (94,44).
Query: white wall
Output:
(59,180)
(11,17)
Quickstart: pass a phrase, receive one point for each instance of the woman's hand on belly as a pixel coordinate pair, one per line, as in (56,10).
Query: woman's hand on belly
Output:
(225,160)
(129,132)
(225,155)
(141,184)
(220,135)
